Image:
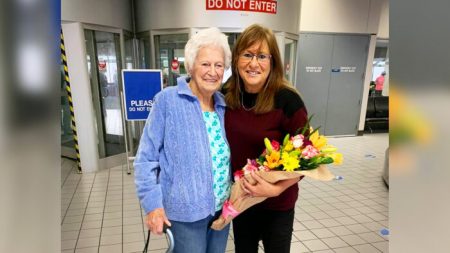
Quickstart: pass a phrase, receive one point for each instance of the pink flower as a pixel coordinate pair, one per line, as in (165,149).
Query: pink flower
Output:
(252,162)
(264,168)
(249,167)
(275,145)
(297,141)
(238,175)
(309,152)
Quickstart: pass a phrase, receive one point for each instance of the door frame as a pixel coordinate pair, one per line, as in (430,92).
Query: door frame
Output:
(118,159)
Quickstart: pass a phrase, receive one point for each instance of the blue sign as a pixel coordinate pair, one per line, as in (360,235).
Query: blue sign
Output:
(139,88)
(336,70)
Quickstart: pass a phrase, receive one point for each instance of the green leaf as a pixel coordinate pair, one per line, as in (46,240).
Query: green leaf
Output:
(294,153)
(286,140)
(326,160)
(307,125)
(315,130)
(261,159)
(268,146)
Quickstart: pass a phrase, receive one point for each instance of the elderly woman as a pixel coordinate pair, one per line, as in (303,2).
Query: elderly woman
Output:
(182,168)
(261,104)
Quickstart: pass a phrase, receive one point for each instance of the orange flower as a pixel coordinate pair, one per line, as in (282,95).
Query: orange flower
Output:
(273,159)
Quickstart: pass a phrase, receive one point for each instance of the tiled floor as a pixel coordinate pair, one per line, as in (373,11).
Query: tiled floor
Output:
(100,212)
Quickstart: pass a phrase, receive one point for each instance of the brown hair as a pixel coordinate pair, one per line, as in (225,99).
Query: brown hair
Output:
(275,81)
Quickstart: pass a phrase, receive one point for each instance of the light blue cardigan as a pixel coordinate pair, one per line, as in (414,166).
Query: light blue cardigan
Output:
(175,142)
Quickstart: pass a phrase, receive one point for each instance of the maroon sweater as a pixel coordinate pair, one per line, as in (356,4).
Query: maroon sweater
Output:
(246,132)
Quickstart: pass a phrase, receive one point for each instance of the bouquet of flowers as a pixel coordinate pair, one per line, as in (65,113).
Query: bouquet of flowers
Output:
(300,155)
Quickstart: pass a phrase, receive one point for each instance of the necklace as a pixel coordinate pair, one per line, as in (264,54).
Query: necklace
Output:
(242,103)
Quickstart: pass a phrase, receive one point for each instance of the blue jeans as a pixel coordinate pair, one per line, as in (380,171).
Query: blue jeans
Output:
(198,237)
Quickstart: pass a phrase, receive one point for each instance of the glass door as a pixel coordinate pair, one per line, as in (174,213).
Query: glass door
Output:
(104,67)
(290,54)
(129,51)
(169,56)
(143,55)
(134,128)
(380,66)
(232,38)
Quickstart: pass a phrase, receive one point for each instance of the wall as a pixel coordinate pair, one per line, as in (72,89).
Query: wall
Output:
(81,96)
(192,13)
(340,16)
(112,13)
(383,27)
(367,79)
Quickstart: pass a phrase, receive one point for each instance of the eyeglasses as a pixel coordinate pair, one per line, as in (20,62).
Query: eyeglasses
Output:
(261,58)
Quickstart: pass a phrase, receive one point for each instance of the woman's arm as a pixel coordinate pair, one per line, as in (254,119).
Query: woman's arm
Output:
(146,165)
(262,188)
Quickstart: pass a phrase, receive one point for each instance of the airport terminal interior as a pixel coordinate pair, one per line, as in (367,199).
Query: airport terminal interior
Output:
(334,52)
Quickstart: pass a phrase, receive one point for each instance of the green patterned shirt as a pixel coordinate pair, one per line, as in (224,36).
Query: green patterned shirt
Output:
(220,153)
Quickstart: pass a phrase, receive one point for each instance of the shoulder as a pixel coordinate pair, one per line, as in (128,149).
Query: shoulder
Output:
(288,97)
(220,94)
(219,99)
(166,96)
(289,101)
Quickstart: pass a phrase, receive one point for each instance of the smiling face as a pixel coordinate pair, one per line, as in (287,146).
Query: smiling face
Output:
(207,70)
(254,72)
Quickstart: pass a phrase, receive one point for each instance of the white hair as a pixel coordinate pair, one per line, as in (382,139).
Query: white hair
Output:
(205,38)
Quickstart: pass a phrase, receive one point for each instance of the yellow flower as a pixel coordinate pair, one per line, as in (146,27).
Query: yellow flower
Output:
(337,158)
(273,159)
(318,141)
(290,163)
(288,147)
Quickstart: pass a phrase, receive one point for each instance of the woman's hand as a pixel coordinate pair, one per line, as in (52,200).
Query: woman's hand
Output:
(262,188)
(156,219)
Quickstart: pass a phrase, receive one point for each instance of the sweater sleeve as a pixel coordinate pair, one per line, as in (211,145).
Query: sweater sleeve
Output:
(146,164)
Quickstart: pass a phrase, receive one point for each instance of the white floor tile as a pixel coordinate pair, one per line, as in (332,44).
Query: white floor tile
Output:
(312,224)
(117,248)
(111,230)
(304,235)
(133,237)
(87,250)
(357,228)
(382,246)
(340,230)
(366,248)
(298,247)
(329,222)
(111,239)
(353,239)
(334,242)
(345,250)
(68,244)
(86,233)
(371,237)
(315,245)
(88,242)
(322,232)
